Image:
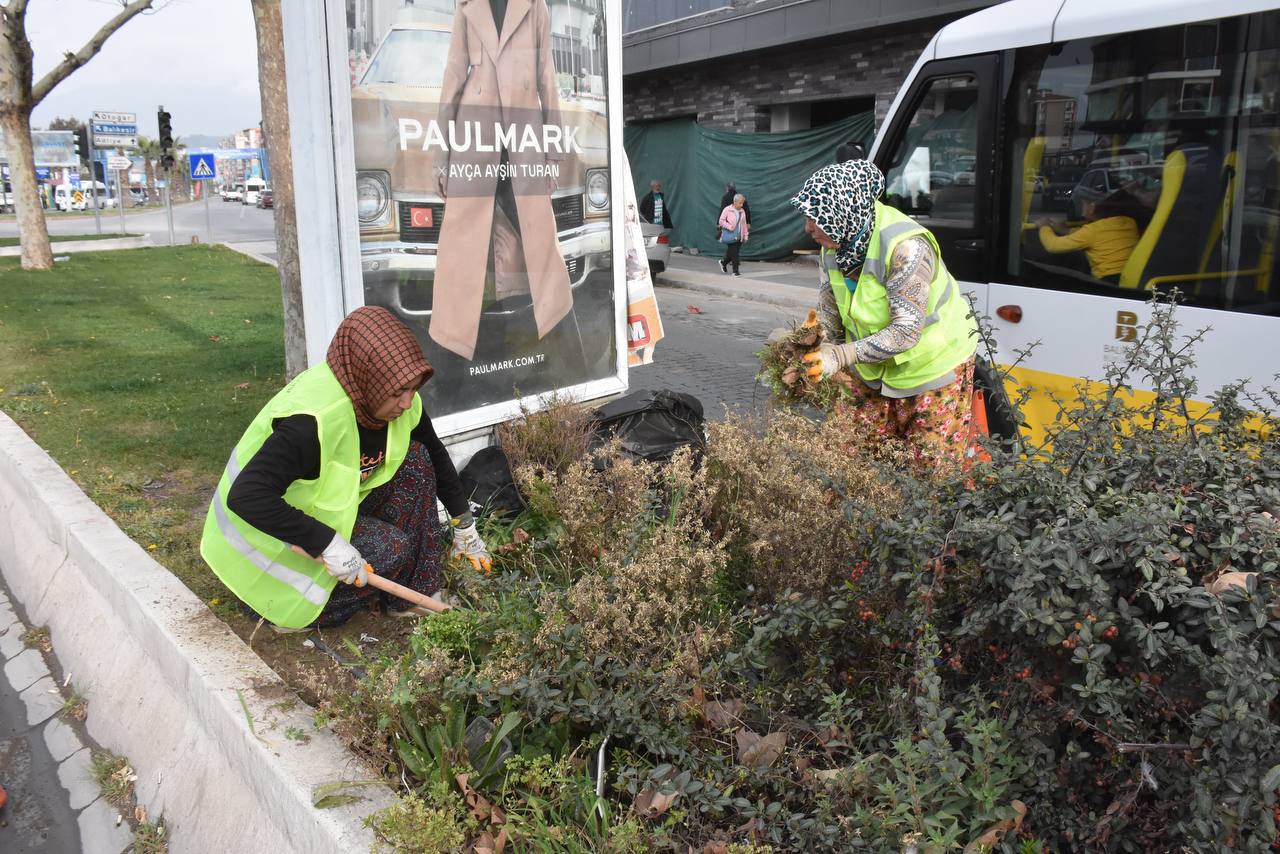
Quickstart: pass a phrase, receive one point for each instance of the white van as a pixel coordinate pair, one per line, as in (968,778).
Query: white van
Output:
(67,197)
(252,189)
(1180,102)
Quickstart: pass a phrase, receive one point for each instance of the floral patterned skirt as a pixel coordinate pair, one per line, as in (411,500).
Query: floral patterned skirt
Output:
(936,426)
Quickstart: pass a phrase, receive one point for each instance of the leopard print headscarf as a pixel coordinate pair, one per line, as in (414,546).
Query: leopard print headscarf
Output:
(841,198)
(373,354)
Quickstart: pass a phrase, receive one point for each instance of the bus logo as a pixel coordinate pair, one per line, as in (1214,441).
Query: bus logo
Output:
(1126,326)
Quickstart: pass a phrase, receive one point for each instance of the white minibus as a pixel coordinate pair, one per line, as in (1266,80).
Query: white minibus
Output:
(252,189)
(1078,114)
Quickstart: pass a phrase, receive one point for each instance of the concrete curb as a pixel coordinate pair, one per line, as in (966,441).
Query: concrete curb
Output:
(243,249)
(773,293)
(64,247)
(166,680)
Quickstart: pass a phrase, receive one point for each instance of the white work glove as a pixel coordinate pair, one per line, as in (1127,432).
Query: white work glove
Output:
(828,359)
(467,543)
(345,563)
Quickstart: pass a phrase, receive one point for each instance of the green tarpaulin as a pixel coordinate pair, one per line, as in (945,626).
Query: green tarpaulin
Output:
(694,163)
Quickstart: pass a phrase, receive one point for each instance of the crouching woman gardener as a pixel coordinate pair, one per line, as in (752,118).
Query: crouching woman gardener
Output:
(343,463)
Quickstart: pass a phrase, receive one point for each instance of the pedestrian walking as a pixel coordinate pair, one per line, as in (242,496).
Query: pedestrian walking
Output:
(734,231)
(905,333)
(344,464)
(731,190)
(654,207)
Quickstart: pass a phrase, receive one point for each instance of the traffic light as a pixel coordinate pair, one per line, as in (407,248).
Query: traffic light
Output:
(82,143)
(166,139)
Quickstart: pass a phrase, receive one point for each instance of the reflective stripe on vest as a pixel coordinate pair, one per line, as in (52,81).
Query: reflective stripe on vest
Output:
(879,266)
(310,591)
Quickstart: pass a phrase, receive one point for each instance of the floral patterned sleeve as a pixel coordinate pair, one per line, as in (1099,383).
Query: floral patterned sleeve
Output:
(910,272)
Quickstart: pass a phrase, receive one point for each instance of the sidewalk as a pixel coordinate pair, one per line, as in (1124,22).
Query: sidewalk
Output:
(793,284)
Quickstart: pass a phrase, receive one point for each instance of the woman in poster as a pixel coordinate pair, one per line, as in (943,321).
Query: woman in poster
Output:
(498,197)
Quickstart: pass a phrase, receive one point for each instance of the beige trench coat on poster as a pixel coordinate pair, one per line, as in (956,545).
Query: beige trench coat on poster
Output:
(509,79)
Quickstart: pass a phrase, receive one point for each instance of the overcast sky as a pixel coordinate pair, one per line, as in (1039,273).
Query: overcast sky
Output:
(197,57)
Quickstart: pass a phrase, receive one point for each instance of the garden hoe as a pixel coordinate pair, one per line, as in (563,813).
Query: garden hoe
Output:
(388,586)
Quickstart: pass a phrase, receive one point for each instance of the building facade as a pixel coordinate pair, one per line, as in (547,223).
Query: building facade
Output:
(764,66)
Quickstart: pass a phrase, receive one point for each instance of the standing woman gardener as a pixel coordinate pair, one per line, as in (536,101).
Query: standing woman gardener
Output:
(909,334)
(343,463)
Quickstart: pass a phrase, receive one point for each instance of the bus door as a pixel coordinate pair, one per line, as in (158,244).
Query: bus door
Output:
(1140,162)
(936,159)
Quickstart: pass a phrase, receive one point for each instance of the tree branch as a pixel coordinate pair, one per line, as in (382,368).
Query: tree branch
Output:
(72,61)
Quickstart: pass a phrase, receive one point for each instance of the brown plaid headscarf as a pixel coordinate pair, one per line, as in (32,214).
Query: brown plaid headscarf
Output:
(374,355)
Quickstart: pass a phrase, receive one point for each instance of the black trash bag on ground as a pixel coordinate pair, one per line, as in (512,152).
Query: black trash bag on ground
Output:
(487,481)
(652,425)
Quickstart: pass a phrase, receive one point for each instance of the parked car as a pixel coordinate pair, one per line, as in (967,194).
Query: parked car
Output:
(657,246)
(1061,184)
(266,198)
(1097,184)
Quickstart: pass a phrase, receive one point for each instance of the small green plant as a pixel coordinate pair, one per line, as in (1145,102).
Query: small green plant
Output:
(411,825)
(115,778)
(151,838)
(74,705)
(38,638)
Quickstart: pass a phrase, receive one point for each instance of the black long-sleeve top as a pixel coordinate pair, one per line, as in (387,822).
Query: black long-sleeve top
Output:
(292,452)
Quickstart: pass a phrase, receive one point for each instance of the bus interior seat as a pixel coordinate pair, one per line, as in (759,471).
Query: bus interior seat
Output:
(1171,178)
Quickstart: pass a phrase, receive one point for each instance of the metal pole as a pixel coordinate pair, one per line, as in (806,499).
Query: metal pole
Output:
(93,180)
(208,220)
(120,198)
(168,202)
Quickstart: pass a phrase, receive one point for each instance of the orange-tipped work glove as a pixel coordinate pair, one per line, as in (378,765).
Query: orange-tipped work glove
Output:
(467,543)
(828,359)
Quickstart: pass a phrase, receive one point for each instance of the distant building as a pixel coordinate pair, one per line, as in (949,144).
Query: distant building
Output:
(773,65)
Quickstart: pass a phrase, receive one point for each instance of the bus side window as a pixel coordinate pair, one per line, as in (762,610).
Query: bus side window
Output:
(931,172)
(1148,161)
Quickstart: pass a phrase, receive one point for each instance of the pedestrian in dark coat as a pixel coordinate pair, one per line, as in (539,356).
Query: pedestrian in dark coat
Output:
(654,206)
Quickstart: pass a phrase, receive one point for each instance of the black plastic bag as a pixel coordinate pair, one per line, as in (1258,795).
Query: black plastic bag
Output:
(652,425)
(487,481)
(1002,422)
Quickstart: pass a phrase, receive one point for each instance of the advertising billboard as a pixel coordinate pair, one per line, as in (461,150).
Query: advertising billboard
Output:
(483,189)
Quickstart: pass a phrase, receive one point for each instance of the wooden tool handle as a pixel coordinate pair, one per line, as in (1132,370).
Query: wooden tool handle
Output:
(388,586)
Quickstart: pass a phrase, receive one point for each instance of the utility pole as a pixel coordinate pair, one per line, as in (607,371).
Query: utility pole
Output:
(93,180)
(165,136)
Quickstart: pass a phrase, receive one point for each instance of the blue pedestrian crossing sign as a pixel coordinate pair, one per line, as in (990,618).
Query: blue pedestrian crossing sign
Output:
(203,167)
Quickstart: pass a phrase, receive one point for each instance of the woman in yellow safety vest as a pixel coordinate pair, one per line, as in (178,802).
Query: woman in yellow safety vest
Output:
(894,318)
(344,464)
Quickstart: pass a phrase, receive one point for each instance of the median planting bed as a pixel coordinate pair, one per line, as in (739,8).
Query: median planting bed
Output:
(785,640)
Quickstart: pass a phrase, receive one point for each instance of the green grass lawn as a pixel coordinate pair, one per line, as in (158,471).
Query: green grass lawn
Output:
(138,370)
(59,238)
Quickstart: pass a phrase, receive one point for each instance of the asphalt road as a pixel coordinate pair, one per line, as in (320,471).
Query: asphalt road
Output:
(232,223)
(709,350)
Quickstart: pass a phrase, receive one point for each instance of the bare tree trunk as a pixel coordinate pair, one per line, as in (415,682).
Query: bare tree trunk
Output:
(32,231)
(15,121)
(275,124)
